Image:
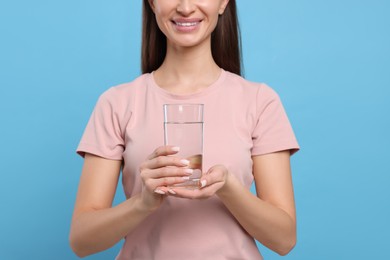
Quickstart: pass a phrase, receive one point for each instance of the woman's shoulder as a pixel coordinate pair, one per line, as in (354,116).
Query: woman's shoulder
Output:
(128,87)
(124,91)
(248,87)
(121,96)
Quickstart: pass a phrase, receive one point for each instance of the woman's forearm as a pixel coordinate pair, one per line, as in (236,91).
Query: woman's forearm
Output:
(97,230)
(268,224)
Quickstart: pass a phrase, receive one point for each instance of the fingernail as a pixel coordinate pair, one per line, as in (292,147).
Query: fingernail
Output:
(186,178)
(159,192)
(185,162)
(175,148)
(189,171)
(172,192)
(203,183)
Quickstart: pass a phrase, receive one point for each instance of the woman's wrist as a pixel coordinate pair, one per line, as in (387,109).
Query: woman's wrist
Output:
(141,207)
(228,188)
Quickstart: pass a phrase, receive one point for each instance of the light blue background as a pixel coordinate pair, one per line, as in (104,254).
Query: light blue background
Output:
(328,60)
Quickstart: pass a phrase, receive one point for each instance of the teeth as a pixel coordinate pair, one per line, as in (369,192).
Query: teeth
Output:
(187,24)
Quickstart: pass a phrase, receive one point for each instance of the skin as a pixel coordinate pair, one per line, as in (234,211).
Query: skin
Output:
(188,54)
(269,217)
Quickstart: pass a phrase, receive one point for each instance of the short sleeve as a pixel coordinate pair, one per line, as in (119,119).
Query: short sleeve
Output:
(273,131)
(103,134)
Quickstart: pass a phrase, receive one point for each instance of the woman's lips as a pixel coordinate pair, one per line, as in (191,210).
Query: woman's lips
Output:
(186,25)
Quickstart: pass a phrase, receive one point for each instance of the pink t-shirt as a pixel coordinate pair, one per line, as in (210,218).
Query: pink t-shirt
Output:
(241,119)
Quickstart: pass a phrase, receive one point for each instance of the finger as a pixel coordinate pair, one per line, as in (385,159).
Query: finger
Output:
(159,191)
(168,172)
(210,181)
(203,183)
(164,177)
(164,151)
(216,174)
(191,193)
(164,161)
(164,183)
(165,191)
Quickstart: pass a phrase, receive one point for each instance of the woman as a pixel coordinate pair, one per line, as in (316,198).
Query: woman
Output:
(190,54)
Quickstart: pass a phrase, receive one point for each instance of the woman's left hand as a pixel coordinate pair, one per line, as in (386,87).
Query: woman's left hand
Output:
(211,183)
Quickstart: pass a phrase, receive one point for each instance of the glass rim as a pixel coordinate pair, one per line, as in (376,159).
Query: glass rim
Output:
(184,104)
(196,115)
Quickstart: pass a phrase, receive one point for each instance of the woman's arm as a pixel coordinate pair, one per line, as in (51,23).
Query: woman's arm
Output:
(269,217)
(96,225)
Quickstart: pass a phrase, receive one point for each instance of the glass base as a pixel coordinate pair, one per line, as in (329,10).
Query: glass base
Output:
(192,184)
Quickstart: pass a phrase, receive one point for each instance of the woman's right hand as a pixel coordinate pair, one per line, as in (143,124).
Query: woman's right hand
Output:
(159,172)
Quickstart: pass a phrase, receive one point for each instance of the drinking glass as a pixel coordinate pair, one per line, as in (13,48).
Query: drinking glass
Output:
(183,127)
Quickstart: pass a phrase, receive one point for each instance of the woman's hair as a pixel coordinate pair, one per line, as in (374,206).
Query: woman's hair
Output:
(225,41)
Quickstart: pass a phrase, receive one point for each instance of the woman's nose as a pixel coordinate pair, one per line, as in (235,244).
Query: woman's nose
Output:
(185,7)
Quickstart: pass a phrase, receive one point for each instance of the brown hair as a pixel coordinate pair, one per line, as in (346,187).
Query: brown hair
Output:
(225,41)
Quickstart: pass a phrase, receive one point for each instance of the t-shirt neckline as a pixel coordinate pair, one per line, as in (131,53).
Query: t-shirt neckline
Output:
(202,93)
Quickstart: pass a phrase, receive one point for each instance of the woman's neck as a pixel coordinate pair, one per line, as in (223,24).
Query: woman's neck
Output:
(187,70)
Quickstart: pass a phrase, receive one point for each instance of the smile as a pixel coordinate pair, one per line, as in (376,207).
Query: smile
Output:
(187,24)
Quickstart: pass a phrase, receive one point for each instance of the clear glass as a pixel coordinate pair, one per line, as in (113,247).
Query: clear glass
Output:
(183,127)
